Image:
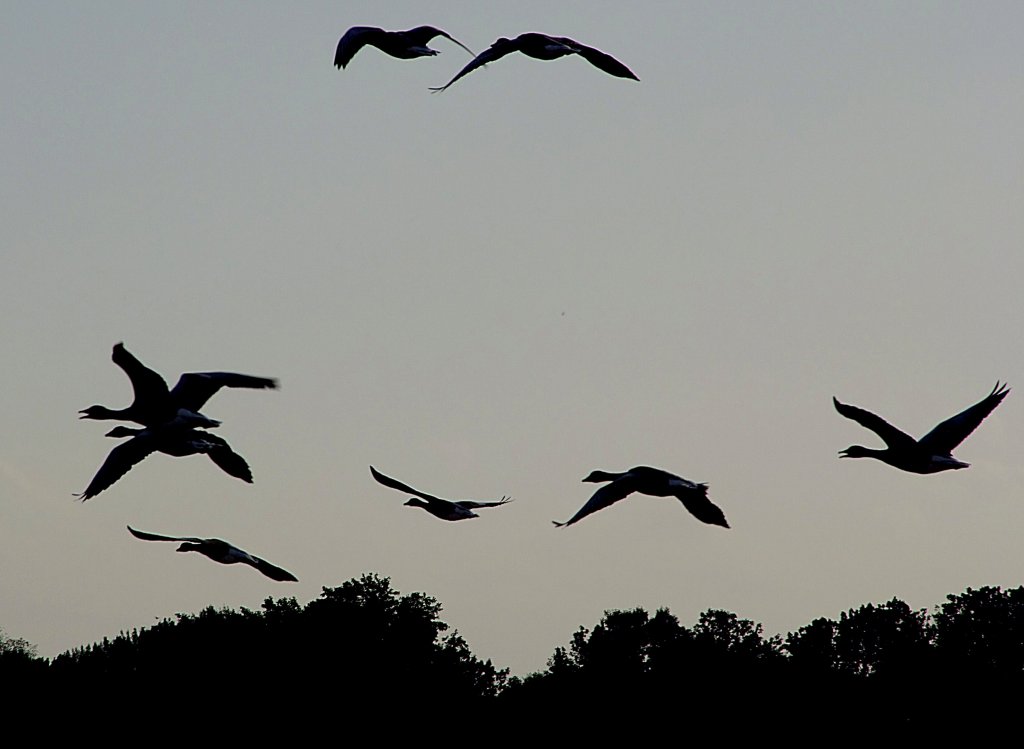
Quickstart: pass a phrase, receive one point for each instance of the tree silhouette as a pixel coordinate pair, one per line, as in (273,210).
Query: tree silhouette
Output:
(362,652)
(979,647)
(632,662)
(358,646)
(866,641)
(982,630)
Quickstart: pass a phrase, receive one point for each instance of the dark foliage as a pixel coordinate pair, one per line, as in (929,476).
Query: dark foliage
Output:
(357,648)
(364,650)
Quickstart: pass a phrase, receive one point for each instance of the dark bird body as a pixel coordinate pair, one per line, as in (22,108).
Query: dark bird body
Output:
(175,441)
(155,405)
(440,508)
(220,551)
(405,45)
(930,454)
(654,482)
(543,47)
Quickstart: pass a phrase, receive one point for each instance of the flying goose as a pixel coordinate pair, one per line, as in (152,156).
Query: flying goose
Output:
(220,551)
(543,47)
(440,508)
(654,482)
(176,441)
(404,45)
(931,453)
(155,405)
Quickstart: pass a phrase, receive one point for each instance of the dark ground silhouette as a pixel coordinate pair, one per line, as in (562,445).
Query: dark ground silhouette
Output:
(363,649)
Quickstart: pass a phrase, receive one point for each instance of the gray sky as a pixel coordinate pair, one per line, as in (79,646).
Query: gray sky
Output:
(543,271)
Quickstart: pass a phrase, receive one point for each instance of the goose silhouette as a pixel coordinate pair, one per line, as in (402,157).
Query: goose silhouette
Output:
(405,45)
(175,441)
(654,482)
(439,508)
(155,405)
(220,551)
(543,47)
(933,452)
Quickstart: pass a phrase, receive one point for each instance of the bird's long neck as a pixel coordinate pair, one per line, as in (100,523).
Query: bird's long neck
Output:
(600,477)
(102,412)
(858,451)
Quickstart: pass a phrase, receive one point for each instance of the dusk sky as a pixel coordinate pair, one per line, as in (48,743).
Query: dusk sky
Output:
(542,271)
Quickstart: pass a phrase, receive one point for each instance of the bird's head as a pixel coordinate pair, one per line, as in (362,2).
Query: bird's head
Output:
(188,546)
(122,431)
(95,412)
(599,477)
(855,451)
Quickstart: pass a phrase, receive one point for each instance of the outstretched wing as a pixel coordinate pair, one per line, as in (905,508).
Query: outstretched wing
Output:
(354,40)
(396,484)
(230,462)
(496,51)
(421,36)
(119,461)
(156,537)
(599,59)
(954,430)
(696,500)
(270,570)
(149,386)
(195,388)
(892,436)
(471,505)
(603,497)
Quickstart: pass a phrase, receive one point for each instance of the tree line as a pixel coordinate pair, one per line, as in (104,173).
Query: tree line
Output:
(364,647)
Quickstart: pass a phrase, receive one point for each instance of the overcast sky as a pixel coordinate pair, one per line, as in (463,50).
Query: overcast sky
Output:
(493,291)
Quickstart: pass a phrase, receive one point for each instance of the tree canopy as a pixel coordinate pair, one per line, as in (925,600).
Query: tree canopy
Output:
(363,648)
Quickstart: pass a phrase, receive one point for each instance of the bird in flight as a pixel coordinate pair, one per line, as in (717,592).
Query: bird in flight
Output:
(440,508)
(176,441)
(155,405)
(933,452)
(654,482)
(220,551)
(404,45)
(543,47)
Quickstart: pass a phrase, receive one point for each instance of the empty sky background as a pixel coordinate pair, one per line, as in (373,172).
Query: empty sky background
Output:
(495,290)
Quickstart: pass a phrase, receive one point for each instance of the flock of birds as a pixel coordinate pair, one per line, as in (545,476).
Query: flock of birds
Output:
(173,422)
(174,425)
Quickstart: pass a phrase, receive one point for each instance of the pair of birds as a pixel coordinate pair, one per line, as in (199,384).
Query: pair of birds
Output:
(407,45)
(173,421)
(642,479)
